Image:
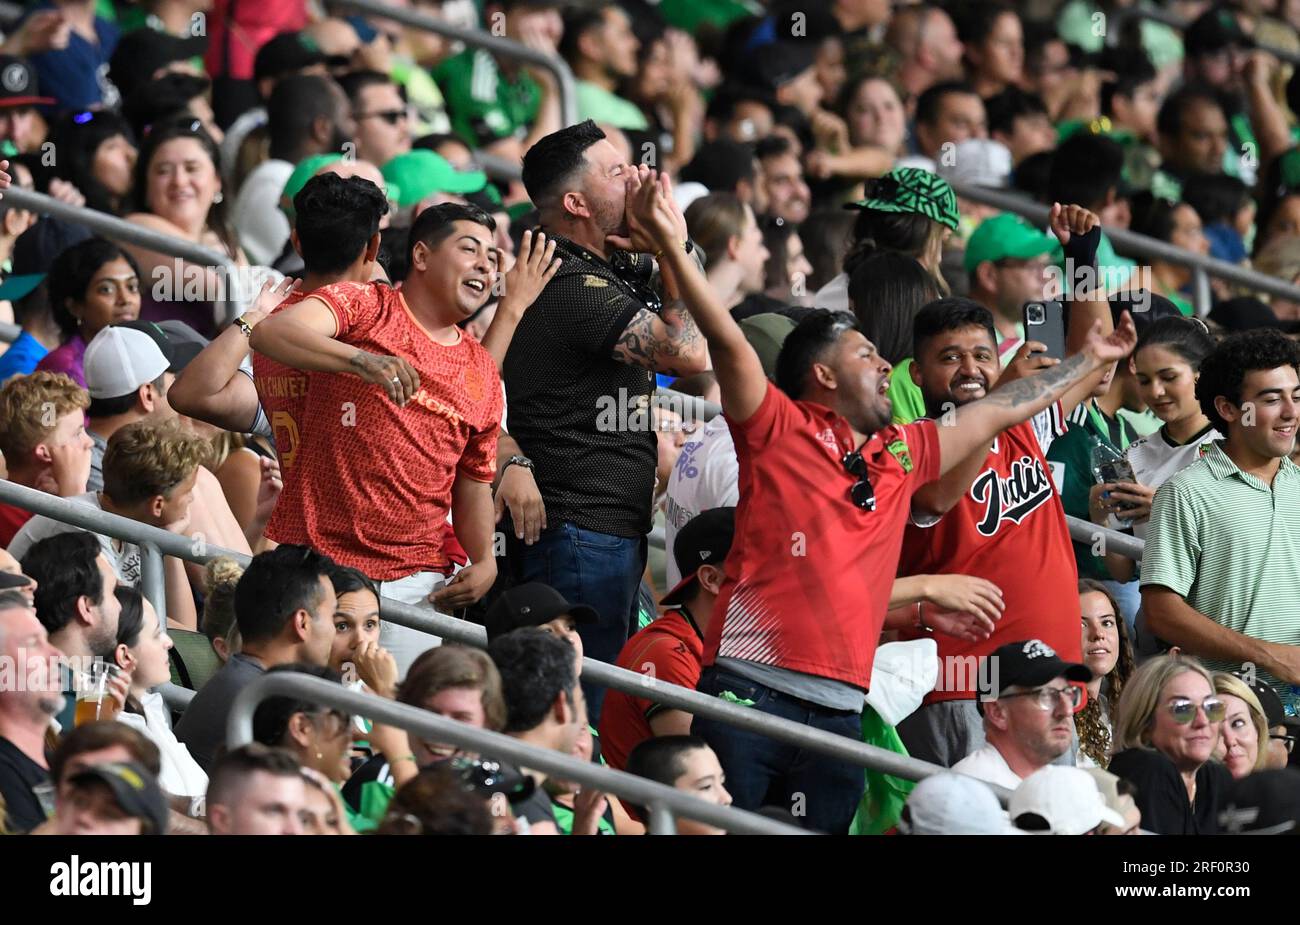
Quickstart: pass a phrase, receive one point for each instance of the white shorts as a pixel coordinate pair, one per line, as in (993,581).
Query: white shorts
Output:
(404,643)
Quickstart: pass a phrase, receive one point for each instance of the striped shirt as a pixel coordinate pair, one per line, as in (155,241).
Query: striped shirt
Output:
(1230,545)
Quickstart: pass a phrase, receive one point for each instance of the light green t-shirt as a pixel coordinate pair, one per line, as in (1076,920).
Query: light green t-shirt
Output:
(600,105)
(909,403)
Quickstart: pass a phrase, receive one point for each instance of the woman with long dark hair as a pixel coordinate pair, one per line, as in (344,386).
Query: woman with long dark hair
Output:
(1108,652)
(96,154)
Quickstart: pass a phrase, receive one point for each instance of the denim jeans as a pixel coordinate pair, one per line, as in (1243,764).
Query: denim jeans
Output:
(596,569)
(822,792)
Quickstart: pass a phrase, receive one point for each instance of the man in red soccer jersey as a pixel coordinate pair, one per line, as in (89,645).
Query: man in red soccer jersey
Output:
(999,513)
(826,484)
(400,418)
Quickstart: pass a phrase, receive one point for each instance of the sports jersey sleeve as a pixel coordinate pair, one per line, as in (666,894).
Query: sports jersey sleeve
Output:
(479,461)
(1172,554)
(354,305)
(469,86)
(587,313)
(775,415)
(669,661)
(1049,424)
(922,438)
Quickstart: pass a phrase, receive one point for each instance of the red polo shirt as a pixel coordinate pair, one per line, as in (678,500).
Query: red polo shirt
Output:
(810,573)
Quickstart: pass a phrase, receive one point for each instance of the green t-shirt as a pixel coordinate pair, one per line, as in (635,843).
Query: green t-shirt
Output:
(689,15)
(485,105)
(1070,458)
(909,403)
(599,104)
(1142,422)
(564,820)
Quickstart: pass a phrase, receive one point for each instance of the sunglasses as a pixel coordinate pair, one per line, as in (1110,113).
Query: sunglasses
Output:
(862,494)
(391,116)
(1184,710)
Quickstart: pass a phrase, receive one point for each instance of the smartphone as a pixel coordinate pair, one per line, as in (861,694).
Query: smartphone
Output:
(1045,323)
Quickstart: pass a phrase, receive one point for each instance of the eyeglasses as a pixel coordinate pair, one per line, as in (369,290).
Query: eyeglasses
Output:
(391,116)
(1184,710)
(1046,697)
(1288,741)
(863,495)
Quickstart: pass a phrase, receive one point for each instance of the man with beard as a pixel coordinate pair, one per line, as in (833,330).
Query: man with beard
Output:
(579,375)
(998,514)
(826,483)
(307,114)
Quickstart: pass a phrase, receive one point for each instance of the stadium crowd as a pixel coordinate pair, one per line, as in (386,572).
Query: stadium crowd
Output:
(473,370)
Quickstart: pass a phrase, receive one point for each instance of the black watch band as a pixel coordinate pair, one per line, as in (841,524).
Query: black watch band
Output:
(517,461)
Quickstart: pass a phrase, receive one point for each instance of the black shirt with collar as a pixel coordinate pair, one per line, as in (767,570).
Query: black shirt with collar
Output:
(1162,796)
(582,416)
(19,778)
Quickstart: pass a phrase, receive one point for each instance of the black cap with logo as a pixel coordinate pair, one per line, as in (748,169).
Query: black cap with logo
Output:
(705,540)
(532,604)
(1028,663)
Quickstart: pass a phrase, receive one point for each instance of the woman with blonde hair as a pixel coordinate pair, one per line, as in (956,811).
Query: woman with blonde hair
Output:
(1243,738)
(1166,730)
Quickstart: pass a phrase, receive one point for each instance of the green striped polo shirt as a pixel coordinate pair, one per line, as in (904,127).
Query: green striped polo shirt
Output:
(1230,545)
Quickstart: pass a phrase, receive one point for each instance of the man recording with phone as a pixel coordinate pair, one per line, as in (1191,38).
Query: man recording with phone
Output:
(1008,261)
(998,514)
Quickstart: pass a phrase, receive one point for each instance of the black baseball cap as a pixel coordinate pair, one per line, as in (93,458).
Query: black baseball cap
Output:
(532,604)
(133,787)
(1213,31)
(178,342)
(1274,712)
(34,252)
(1263,803)
(287,53)
(705,540)
(18,86)
(1028,663)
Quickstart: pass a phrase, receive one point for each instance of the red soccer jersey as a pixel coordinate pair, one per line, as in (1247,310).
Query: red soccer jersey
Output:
(1009,528)
(669,649)
(367,482)
(282,391)
(809,573)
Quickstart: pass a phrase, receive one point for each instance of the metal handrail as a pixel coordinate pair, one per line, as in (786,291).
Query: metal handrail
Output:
(1173,21)
(480,38)
(643,686)
(663,802)
(9,332)
(1141,246)
(119,229)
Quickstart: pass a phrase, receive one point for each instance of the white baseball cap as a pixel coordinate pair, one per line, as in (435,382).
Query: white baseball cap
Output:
(954,804)
(120,360)
(1066,798)
(979,162)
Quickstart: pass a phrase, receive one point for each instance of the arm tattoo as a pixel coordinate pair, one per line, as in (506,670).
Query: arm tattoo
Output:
(1046,385)
(642,344)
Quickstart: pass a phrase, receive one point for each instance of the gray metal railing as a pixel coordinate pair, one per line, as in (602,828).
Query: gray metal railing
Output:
(1115,28)
(498,167)
(118,229)
(1142,246)
(478,38)
(449,628)
(9,332)
(663,802)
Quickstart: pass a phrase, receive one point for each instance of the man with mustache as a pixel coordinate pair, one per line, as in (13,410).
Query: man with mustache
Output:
(998,515)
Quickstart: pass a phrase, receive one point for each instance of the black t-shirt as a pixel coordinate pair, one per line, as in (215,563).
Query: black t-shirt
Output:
(535,809)
(1162,797)
(19,776)
(582,416)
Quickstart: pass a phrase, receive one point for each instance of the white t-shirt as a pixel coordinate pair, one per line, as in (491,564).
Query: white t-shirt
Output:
(834,295)
(988,765)
(256,217)
(1156,459)
(123,556)
(706,476)
(181,775)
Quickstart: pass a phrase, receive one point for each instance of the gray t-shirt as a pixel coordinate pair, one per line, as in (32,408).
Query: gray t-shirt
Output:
(123,556)
(96,480)
(202,728)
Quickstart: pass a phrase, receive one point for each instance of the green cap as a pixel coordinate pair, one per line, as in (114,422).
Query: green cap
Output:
(911,189)
(305,170)
(1007,235)
(419,174)
(766,333)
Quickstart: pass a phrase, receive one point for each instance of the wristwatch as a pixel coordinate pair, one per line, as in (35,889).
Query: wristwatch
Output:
(243,326)
(517,461)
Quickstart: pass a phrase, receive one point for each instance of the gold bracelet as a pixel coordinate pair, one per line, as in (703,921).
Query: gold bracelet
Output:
(244,326)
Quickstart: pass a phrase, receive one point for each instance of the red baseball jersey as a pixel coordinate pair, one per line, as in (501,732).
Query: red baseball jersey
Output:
(1009,528)
(365,481)
(810,573)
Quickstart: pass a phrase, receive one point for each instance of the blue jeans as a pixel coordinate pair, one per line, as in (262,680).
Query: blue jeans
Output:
(821,791)
(596,569)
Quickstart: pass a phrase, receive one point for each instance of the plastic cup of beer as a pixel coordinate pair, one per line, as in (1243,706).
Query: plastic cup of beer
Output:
(94,699)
